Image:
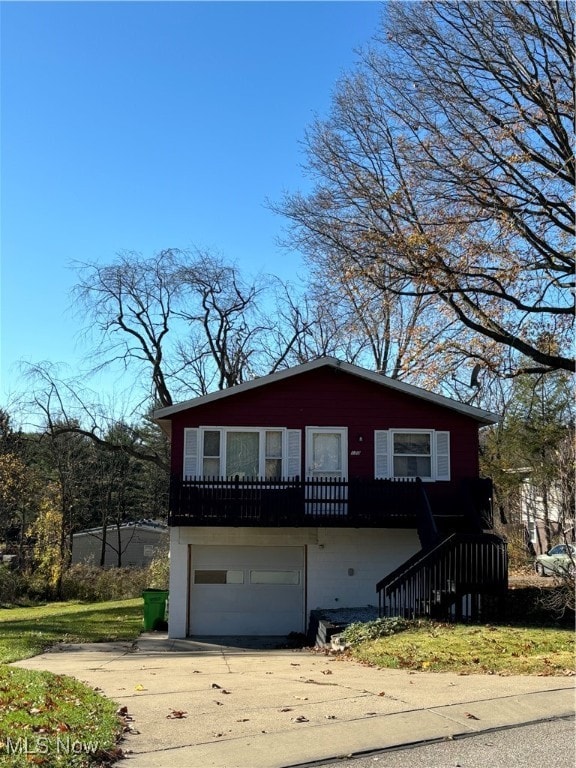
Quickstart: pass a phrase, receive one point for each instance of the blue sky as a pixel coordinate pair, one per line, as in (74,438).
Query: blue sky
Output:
(146,125)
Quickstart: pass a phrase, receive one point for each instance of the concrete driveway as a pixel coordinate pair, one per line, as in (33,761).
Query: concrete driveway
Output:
(241,703)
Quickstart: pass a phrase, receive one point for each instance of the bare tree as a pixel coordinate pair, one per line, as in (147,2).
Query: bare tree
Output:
(222,310)
(65,405)
(188,322)
(446,169)
(129,304)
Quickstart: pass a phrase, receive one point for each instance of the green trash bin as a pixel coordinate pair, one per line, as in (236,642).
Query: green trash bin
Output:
(154,608)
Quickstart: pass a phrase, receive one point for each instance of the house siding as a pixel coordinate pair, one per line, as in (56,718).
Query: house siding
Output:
(330,398)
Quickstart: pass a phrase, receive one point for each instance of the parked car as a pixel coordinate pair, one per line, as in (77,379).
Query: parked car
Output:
(559,561)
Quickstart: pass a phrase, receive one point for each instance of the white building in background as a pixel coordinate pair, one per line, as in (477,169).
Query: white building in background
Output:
(138,542)
(546,514)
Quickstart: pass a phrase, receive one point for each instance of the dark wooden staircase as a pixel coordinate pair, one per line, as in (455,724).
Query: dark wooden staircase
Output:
(462,576)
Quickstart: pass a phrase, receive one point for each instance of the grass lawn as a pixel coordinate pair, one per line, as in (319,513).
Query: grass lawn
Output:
(470,649)
(53,720)
(26,632)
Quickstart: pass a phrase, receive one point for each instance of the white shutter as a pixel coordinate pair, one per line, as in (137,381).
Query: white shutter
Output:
(381,463)
(442,455)
(190,452)
(294,456)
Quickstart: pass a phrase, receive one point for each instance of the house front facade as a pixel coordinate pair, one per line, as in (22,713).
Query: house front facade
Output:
(319,487)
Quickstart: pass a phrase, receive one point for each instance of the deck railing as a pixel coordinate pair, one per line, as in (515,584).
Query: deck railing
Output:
(296,502)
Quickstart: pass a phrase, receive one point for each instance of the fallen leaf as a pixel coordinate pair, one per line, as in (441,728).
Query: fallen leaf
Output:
(382,693)
(140,688)
(177,714)
(470,716)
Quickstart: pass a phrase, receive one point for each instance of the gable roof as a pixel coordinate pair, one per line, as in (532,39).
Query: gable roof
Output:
(164,415)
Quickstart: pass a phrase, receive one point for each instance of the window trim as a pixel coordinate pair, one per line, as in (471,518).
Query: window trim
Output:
(439,453)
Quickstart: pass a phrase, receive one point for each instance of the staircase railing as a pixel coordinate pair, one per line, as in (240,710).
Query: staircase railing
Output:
(463,577)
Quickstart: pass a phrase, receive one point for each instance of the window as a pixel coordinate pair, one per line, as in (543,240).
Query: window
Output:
(273,454)
(423,453)
(412,454)
(275,577)
(559,549)
(218,577)
(242,452)
(211,462)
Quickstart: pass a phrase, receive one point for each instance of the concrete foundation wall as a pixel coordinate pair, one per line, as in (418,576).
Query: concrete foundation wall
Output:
(342,565)
(346,564)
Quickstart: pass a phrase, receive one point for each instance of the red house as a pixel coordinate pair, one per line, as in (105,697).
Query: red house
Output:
(327,486)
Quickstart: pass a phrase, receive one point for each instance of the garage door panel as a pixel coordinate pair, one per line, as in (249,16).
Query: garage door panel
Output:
(246,590)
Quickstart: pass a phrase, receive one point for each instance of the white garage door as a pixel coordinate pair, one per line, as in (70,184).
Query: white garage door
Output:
(246,590)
